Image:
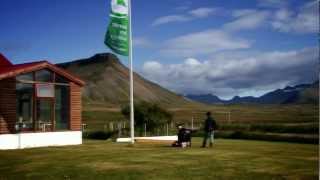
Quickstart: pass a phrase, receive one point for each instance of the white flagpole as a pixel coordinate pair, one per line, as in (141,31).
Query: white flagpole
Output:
(131,76)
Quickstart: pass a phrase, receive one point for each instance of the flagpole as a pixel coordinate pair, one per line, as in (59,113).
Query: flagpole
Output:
(131,76)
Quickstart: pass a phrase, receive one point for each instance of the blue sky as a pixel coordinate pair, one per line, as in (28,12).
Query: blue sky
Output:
(226,48)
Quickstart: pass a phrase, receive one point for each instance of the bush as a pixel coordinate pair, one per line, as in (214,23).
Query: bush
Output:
(147,113)
(98,135)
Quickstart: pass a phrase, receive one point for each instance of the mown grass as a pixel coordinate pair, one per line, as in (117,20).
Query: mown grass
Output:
(229,159)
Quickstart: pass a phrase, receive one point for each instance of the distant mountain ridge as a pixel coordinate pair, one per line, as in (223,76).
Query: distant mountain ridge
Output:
(299,94)
(107,83)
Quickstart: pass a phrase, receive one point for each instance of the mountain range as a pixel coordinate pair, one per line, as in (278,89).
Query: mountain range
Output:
(300,94)
(107,83)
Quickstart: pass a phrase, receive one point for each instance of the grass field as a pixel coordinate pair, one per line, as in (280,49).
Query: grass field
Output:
(229,159)
(298,122)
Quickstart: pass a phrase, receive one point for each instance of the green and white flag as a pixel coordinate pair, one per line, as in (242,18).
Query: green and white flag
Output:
(117,36)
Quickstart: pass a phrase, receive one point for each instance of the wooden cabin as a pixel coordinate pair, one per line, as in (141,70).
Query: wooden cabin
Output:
(40,105)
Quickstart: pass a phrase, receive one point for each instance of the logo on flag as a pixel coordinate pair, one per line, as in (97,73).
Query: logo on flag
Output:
(117,36)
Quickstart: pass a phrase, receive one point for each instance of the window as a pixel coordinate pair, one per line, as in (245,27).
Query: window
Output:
(60,79)
(44,75)
(25,105)
(25,77)
(62,106)
(45,90)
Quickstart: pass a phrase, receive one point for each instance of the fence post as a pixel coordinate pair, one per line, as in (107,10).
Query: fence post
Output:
(167,129)
(119,130)
(145,129)
(111,126)
(192,122)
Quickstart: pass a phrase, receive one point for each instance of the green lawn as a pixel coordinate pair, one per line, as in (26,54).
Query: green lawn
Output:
(229,159)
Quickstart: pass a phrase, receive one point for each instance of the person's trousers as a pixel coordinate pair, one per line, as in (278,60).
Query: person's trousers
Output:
(208,135)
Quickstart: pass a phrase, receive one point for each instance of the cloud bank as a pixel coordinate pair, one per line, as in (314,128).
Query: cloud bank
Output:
(305,20)
(236,76)
(228,73)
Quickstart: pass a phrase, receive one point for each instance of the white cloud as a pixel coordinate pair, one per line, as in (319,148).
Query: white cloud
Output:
(201,43)
(247,19)
(141,42)
(202,12)
(154,66)
(169,19)
(306,20)
(191,15)
(192,62)
(238,75)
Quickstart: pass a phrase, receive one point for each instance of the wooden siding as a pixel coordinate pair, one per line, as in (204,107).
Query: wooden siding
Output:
(75,107)
(7,106)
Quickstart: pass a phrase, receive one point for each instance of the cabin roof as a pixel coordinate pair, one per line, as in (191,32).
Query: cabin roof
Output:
(9,70)
(4,62)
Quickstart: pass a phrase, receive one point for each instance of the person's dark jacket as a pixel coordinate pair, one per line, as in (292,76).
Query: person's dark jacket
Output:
(210,124)
(184,135)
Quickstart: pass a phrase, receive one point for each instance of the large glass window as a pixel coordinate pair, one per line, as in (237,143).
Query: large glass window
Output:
(43,103)
(25,77)
(44,75)
(62,107)
(25,105)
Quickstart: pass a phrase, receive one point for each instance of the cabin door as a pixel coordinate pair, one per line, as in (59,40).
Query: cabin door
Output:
(45,114)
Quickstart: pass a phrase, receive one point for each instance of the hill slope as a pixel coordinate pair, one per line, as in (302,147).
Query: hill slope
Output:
(205,98)
(107,83)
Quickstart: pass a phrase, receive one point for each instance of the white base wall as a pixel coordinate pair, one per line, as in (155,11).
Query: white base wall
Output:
(30,140)
(154,138)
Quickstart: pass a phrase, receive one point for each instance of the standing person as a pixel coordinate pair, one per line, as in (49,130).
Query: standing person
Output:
(209,126)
